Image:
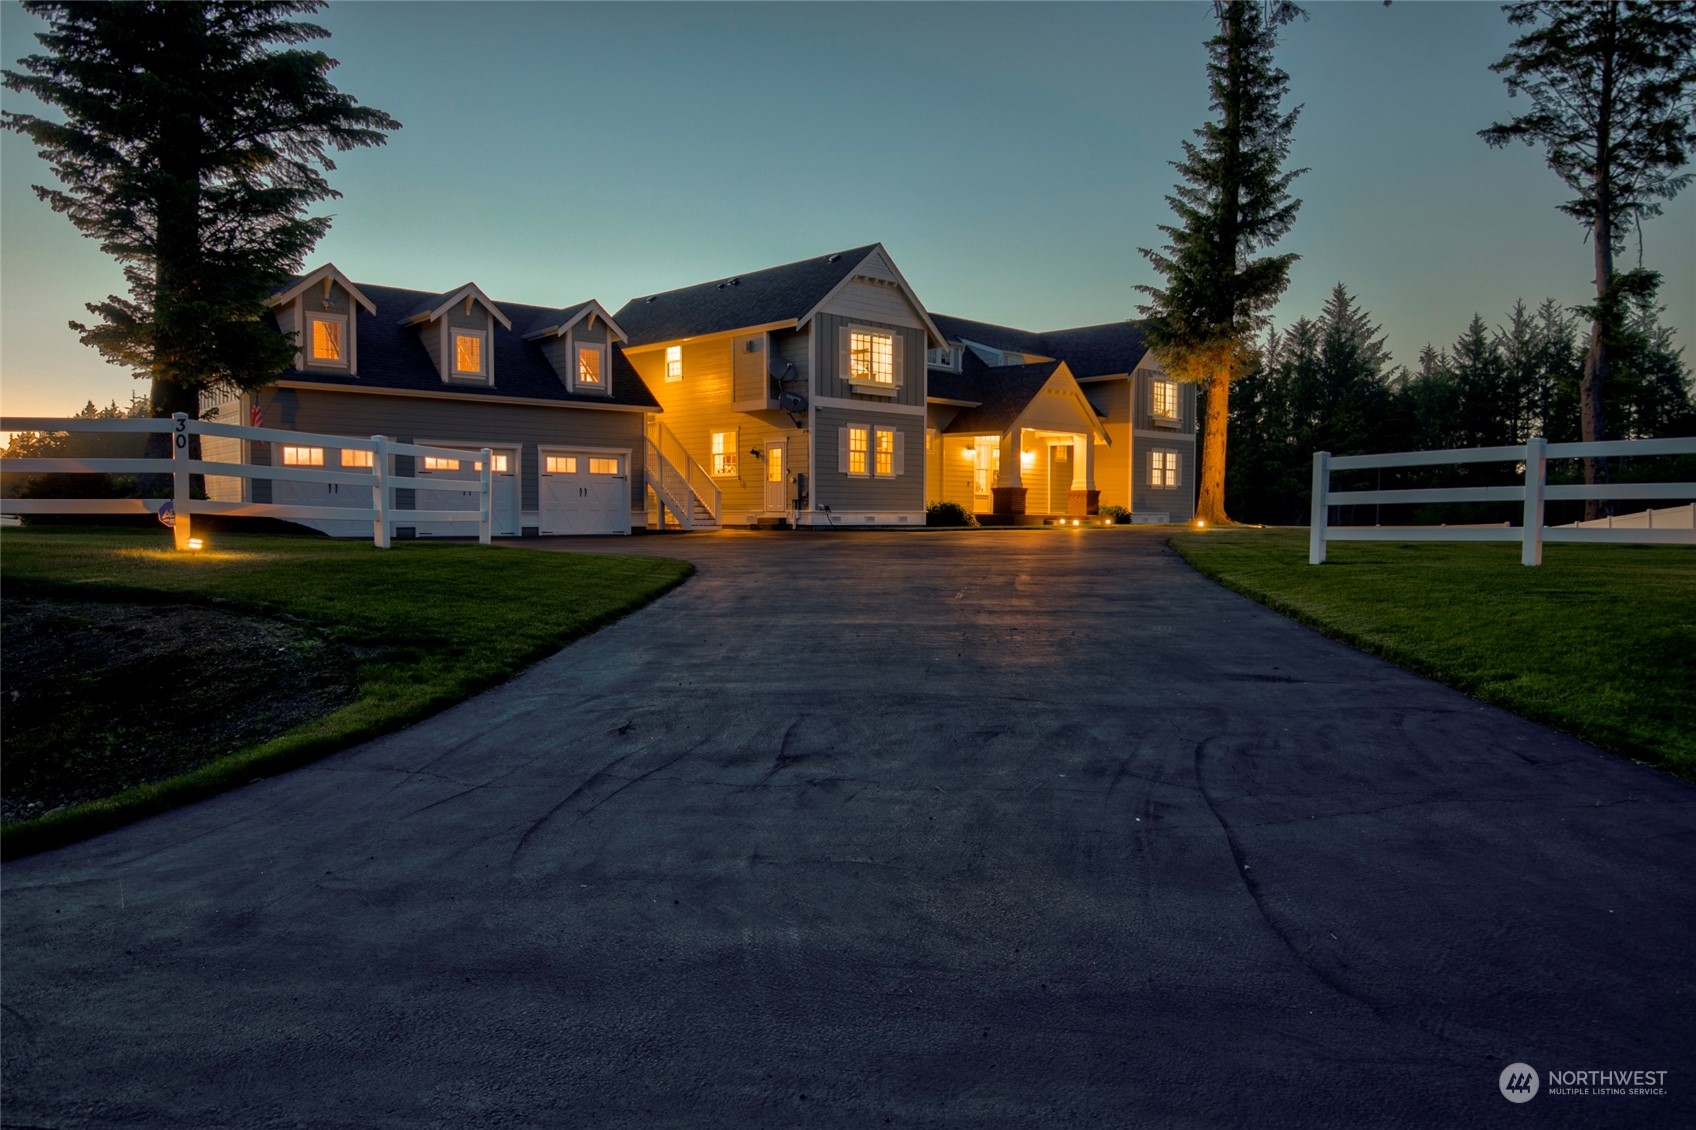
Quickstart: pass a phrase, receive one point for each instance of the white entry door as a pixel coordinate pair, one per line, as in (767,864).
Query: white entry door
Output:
(777,476)
(584,492)
(503,483)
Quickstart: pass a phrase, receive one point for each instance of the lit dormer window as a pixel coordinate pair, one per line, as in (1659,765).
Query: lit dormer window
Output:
(327,340)
(590,374)
(468,353)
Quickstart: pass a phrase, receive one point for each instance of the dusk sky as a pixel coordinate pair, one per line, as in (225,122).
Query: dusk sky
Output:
(1012,158)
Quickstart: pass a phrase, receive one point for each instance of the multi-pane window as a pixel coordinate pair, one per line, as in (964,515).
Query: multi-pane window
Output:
(589,367)
(947,357)
(608,466)
(885,451)
(1162,468)
(1165,398)
(358,459)
(724,453)
(560,464)
(435,463)
(498,462)
(328,335)
(674,362)
(871,357)
(303,456)
(468,353)
(858,438)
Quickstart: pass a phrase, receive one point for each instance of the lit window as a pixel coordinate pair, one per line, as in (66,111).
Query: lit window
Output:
(434,463)
(589,367)
(328,334)
(303,456)
(561,465)
(674,362)
(468,353)
(885,451)
(724,453)
(603,466)
(1163,468)
(1166,399)
(498,463)
(365,459)
(857,439)
(871,357)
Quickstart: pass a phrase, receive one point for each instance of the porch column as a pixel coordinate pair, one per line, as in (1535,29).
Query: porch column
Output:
(1008,494)
(1083,498)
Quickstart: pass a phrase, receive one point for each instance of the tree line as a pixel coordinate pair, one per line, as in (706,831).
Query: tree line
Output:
(1328,383)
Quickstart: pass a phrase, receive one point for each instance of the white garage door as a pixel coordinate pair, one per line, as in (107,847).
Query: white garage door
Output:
(584,492)
(350,495)
(503,482)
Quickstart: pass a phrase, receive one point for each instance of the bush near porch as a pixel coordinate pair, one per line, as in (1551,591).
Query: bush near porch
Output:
(1598,641)
(411,630)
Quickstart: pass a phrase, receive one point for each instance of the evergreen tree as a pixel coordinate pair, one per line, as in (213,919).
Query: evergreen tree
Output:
(1234,201)
(1612,85)
(192,144)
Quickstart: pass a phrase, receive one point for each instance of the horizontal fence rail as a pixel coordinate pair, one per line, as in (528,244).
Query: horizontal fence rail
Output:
(381,478)
(1533,492)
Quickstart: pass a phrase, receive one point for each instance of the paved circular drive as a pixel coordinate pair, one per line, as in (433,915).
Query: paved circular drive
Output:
(999,828)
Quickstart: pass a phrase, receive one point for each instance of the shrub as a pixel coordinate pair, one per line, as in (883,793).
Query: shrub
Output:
(948,514)
(1118,514)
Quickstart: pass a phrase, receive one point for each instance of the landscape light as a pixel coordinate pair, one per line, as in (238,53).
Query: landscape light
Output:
(1200,524)
(196,543)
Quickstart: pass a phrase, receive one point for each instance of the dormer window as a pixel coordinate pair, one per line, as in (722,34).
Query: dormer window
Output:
(948,357)
(591,369)
(469,353)
(327,340)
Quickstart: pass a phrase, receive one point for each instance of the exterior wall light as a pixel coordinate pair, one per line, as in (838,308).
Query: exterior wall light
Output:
(196,543)
(969,452)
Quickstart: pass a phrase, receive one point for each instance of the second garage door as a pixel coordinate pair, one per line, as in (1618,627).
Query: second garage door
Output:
(584,492)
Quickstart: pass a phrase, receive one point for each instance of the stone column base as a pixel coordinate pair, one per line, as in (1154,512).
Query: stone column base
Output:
(1007,500)
(1083,503)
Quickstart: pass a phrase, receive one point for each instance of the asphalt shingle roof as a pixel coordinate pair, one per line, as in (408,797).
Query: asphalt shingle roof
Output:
(1089,351)
(393,356)
(776,294)
(1002,394)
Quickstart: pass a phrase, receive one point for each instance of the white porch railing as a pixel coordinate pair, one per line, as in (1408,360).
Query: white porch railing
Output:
(381,480)
(1535,490)
(671,466)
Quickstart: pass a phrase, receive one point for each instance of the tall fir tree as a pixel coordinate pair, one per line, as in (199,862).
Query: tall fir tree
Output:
(1612,85)
(195,137)
(1233,201)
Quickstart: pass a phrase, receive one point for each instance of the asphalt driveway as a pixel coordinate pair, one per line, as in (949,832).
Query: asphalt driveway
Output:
(982,829)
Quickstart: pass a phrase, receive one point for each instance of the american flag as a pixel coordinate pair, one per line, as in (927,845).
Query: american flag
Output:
(258,414)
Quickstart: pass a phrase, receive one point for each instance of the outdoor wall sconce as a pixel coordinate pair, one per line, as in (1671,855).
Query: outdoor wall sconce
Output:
(755,452)
(970,452)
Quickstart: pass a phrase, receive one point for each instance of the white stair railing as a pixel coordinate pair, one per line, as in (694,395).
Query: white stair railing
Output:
(692,477)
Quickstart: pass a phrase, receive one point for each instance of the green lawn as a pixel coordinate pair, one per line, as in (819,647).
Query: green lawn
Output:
(429,625)
(1599,641)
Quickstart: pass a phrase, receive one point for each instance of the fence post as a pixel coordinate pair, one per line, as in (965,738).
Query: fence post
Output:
(486,522)
(1321,508)
(380,492)
(1536,473)
(182,526)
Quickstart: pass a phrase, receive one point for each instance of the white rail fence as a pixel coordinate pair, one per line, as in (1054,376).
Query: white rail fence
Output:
(1533,493)
(381,479)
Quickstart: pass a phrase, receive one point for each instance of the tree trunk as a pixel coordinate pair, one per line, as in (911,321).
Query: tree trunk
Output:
(1210,499)
(1592,419)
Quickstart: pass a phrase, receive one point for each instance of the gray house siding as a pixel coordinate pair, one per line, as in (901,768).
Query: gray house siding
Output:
(831,380)
(408,419)
(846,494)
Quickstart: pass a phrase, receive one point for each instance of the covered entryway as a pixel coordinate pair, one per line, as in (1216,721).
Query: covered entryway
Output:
(503,482)
(584,491)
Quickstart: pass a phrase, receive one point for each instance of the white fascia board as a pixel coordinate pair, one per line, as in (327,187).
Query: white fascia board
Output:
(589,307)
(327,271)
(937,339)
(953,403)
(1098,380)
(471,290)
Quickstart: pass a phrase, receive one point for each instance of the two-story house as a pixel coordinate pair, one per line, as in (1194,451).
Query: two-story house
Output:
(817,393)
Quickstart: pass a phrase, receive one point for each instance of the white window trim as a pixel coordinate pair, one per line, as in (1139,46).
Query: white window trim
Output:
(340,320)
(734,451)
(454,371)
(1154,399)
(669,377)
(950,359)
(897,362)
(1171,462)
(577,385)
(847,439)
